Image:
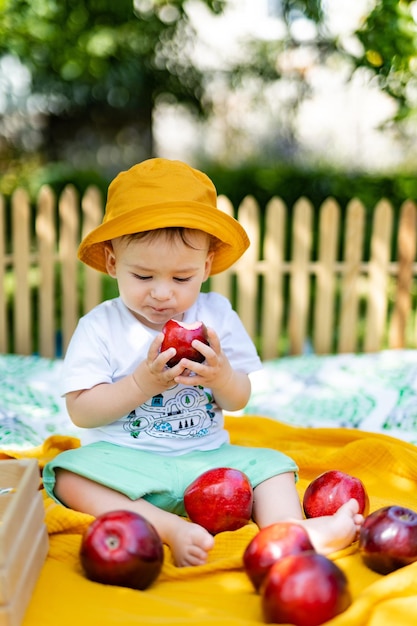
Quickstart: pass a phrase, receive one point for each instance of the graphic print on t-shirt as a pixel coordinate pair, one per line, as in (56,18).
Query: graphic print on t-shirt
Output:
(178,413)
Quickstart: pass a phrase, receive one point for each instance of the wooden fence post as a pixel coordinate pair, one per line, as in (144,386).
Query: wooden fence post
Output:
(376,314)
(22,309)
(92,213)
(248,215)
(349,287)
(300,282)
(272,308)
(406,246)
(68,244)
(46,243)
(325,300)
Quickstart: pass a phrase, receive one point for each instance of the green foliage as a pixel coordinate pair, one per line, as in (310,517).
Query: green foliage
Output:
(290,183)
(110,52)
(99,67)
(389,39)
(387,49)
(312,9)
(260,181)
(58,175)
(103,51)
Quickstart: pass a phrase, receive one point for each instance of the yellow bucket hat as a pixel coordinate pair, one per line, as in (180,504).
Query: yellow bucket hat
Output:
(160,193)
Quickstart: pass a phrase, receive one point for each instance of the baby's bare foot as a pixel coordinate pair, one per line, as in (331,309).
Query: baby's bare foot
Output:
(335,532)
(189,543)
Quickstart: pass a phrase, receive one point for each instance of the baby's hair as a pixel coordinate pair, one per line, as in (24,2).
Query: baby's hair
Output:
(173,233)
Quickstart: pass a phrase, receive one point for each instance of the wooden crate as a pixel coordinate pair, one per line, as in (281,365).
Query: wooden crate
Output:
(12,614)
(23,537)
(30,526)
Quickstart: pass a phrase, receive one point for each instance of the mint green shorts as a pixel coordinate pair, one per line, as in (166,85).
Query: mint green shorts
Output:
(159,479)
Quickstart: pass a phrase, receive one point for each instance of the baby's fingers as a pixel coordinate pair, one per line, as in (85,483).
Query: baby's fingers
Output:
(214,340)
(156,356)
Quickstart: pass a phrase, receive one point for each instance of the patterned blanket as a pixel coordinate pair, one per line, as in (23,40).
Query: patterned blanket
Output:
(371,392)
(31,408)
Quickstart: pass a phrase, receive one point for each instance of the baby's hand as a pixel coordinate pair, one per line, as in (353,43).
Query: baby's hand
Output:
(152,375)
(215,367)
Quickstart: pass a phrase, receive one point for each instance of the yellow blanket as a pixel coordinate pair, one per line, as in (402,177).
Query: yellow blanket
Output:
(219,592)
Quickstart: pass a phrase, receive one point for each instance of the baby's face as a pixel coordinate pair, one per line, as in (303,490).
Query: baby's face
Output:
(159,277)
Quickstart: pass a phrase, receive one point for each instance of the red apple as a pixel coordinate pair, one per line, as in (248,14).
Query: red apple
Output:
(388,539)
(270,544)
(305,589)
(122,548)
(326,494)
(219,499)
(179,335)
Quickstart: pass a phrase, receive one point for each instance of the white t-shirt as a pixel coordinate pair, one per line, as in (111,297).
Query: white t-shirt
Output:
(109,343)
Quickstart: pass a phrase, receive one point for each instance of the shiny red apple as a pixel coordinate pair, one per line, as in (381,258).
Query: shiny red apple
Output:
(326,494)
(270,544)
(305,589)
(220,499)
(180,335)
(122,548)
(388,539)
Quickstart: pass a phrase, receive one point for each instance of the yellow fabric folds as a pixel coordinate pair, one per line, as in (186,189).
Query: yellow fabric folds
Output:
(219,592)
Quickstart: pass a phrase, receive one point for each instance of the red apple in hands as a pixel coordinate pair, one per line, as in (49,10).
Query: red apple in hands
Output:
(220,499)
(179,335)
(305,589)
(326,494)
(122,548)
(270,544)
(388,539)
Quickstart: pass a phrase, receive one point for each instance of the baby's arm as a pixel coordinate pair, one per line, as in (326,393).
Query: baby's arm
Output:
(107,402)
(230,388)
(233,394)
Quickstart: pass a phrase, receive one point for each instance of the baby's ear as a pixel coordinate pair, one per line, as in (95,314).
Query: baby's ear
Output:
(209,263)
(110,259)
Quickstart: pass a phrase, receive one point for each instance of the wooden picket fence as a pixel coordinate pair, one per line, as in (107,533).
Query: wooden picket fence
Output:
(329,280)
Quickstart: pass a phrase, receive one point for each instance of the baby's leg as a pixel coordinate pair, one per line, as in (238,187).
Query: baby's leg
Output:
(276,499)
(189,543)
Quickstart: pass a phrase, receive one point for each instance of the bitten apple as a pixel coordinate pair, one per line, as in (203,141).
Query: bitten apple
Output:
(388,539)
(220,499)
(122,548)
(326,494)
(270,544)
(305,589)
(179,335)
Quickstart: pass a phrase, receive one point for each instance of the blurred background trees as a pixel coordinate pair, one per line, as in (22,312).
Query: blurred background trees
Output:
(86,86)
(80,78)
